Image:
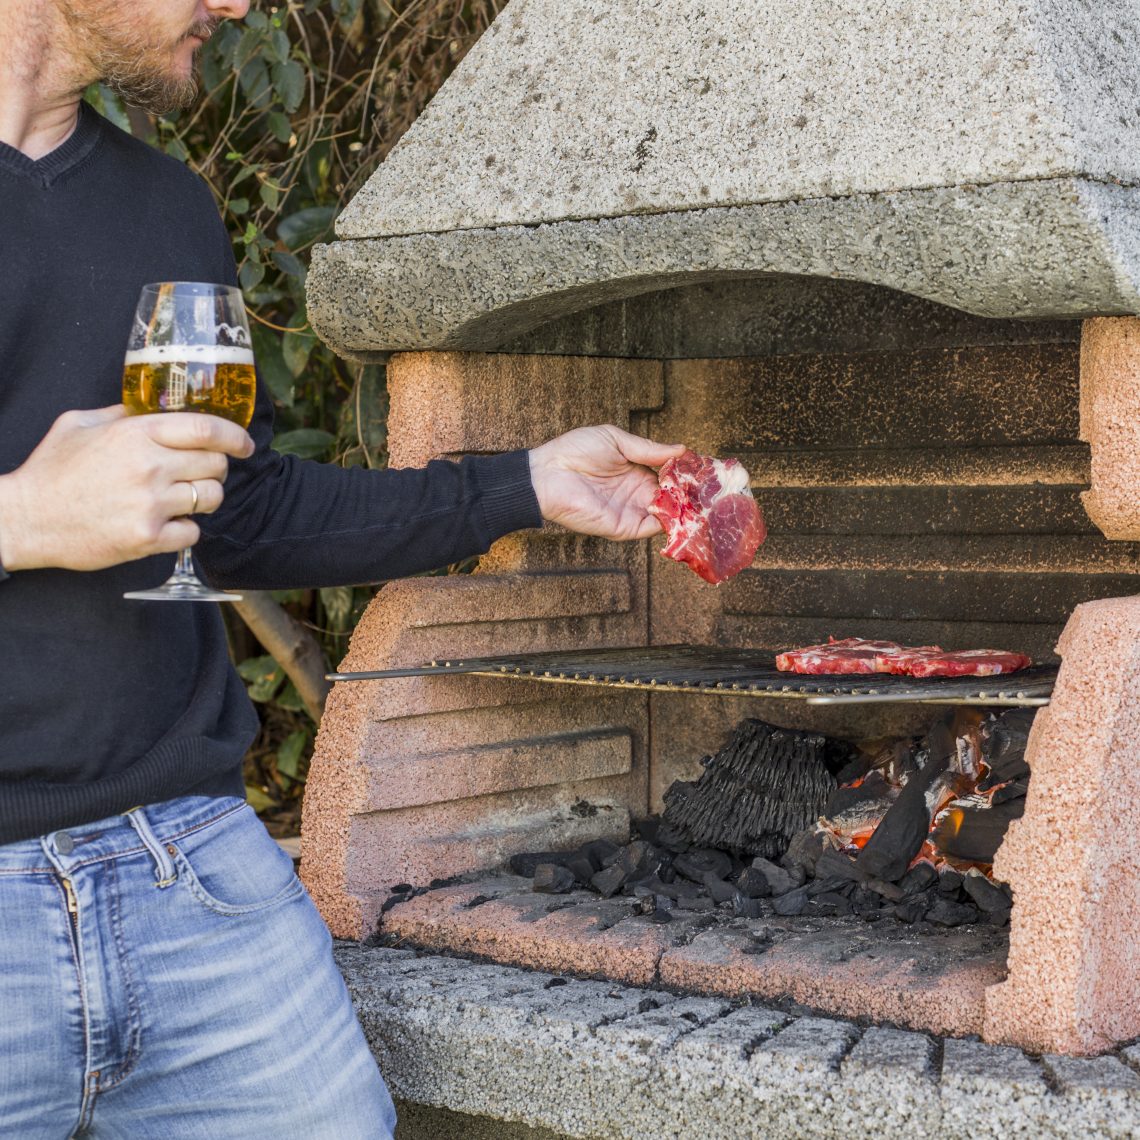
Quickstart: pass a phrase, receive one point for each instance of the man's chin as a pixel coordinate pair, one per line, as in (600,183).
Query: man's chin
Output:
(160,95)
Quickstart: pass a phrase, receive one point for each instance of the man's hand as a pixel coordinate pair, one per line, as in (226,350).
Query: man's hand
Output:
(103,488)
(597,480)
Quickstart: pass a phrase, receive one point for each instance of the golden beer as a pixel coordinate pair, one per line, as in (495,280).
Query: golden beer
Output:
(215,379)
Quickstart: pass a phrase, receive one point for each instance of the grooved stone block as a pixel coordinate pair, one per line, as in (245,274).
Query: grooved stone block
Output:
(1110,422)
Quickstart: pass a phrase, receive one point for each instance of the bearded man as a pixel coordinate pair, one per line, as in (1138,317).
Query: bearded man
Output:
(162,971)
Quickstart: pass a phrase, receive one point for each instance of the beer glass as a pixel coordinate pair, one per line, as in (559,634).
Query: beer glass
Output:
(189,351)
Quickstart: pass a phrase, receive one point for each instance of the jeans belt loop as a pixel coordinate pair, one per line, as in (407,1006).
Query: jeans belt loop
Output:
(164,871)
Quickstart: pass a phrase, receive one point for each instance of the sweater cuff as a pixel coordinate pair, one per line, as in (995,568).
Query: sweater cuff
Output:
(509,501)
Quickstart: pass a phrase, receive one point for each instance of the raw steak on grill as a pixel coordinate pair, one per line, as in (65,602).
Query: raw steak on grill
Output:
(710,517)
(856,655)
(967,663)
(851,655)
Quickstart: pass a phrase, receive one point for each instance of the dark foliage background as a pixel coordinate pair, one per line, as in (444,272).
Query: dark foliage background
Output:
(298,105)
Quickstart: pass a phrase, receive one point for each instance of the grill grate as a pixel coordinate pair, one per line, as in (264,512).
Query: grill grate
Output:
(697,669)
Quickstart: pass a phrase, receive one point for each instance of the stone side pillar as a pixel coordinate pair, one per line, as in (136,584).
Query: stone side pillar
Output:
(1073,859)
(1110,422)
(423,778)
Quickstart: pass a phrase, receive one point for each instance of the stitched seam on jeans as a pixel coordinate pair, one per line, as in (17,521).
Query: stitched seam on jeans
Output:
(81,982)
(29,871)
(230,910)
(134,1016)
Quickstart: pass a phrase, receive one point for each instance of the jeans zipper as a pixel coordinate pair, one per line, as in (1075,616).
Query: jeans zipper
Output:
(72,904)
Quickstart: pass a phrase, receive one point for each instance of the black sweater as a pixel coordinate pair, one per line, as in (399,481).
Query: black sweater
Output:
(107,703)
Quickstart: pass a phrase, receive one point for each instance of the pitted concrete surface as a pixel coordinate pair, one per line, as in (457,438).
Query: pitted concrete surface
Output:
(981,154)
(589,109)
(603,1061)
(1064,247)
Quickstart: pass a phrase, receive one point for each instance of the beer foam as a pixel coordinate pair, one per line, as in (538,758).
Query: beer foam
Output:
(189,354)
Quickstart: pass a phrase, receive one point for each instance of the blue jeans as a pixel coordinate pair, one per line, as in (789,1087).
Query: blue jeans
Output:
(164,974)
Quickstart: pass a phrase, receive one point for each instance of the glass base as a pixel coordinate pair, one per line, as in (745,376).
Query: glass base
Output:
(182,589)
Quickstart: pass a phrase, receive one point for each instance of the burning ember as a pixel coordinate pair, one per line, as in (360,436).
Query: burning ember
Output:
(793,823)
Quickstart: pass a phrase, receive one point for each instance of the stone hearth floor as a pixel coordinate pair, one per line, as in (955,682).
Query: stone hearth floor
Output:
(607,1061)
(922,976)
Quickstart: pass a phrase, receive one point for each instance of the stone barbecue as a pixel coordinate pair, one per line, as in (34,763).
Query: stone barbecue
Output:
(887,256)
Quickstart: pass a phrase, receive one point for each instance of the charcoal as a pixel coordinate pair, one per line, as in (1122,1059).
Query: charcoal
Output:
(553,879)
(744,907)
(949,881)
(946,912)
(905,827)
(891,891)
(791,903)
(719,890)
(696,903)
(647,829)
(765,785)
(600,852)
(679,888)
(919,878)
(526,862)
(638,859)
(1014,790)
(973,834)
(609,881)
(832,903)
(804,850)
(753,884)
(581,868)
(667,873)
(865,901)
(671,839)
(912,910)
(855,769)
(701,861)
(998,917)
(780,881)
(660,917)
(1003,747)
(823,886)
(836,865)
(987,896)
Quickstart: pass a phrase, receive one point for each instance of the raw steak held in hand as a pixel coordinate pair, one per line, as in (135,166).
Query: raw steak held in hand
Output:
(855,655)
(710,517)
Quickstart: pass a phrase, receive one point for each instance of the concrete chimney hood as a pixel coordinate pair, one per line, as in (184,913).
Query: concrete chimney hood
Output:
(983,154)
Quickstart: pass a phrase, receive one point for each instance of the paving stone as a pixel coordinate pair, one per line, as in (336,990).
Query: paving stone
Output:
(590,1059)
(1005,1080)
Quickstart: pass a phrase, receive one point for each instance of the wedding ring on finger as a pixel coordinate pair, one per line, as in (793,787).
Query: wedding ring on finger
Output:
(194,500)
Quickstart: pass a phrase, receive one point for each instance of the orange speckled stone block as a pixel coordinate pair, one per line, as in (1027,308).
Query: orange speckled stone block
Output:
(1073,859)
(1110,422)
(521,930)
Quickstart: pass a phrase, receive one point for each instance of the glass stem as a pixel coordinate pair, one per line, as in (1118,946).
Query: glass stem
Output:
(184,567)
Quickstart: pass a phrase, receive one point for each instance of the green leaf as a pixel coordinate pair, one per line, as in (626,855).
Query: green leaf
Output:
(108,104)
(271,364)
(287,263)
(263,676)
(257,19)
(289,81)
(305,443)
(277,44)
(246,48)
(305,226)
(254,82)
(289,699)
(269,194)
(279,126)
(295,348)
(290,753)
(337,601)
(251,274)
(239,206)
(177,149)
(257,799)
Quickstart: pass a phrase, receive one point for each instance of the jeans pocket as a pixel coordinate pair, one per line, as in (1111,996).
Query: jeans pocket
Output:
(233,866)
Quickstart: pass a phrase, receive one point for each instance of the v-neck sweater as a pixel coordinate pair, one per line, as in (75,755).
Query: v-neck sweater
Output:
(107,703)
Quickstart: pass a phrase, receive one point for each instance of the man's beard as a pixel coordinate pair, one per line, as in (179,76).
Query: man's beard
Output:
(140,72)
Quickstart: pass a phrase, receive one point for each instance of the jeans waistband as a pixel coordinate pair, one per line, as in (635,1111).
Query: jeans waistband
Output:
(117,835)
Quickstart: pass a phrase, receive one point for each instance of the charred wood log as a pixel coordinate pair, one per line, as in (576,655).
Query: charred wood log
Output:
(974,834)
(765,785)
(905,827)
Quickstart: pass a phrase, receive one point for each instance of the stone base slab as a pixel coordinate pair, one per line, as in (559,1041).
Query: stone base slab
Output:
(919,976)
(606,1061)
